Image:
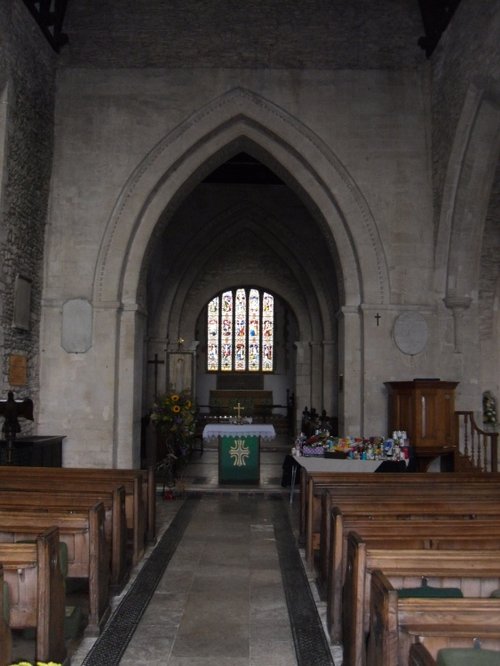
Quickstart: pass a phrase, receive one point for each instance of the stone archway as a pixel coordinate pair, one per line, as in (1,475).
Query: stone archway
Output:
(173,166)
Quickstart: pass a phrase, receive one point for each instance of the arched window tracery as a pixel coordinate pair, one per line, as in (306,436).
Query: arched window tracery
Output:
(240,331)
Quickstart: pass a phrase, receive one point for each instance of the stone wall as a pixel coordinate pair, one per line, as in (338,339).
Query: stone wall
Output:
(467,53)
(27,68)
(345,34)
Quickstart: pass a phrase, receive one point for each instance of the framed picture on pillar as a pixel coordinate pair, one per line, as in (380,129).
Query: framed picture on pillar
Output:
(180,371)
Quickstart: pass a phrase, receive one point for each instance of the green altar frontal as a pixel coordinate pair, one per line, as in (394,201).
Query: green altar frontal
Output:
(239,459)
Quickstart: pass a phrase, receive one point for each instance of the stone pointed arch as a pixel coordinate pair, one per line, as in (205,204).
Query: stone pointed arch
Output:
(317,173)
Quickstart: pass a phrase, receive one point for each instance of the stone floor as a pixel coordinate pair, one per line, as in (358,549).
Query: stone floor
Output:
(221,596)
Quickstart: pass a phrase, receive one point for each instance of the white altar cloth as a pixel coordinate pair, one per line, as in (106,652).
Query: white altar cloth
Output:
(262,430)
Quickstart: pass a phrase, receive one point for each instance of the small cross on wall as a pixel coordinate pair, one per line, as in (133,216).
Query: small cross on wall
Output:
(378,317)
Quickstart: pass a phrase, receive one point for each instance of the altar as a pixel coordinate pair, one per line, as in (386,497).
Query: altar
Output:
(239,449)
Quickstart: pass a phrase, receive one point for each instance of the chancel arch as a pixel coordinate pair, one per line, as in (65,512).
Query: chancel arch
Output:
(162,182)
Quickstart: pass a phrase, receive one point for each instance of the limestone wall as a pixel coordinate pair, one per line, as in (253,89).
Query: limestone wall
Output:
(108,124)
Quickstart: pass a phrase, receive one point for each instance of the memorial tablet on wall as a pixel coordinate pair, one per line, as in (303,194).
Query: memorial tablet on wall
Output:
(18,370)
(410,333)
(76,334)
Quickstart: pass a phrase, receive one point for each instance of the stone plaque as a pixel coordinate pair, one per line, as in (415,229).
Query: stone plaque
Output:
(76,336)
(410,333)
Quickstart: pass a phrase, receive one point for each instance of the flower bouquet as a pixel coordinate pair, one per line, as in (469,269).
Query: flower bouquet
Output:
(174,415)
(38,663)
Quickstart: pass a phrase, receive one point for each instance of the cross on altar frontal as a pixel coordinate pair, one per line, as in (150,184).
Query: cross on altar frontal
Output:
(238,408)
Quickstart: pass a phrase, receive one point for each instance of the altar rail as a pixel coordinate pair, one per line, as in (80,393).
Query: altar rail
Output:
(477,446)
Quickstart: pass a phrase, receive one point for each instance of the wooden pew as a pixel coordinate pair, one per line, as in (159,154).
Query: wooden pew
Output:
(115,522)
(396,623)
(5,633)
(419,533)
(79,479)
(140,490)
(88,554)
(405,491)
(475,572)
(33,574)
(420,655)
(484,496)
(314,485)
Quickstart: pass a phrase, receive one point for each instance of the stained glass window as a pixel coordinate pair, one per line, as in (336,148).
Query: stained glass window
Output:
(240,331)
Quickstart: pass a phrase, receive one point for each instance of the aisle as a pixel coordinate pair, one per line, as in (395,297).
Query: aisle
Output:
(225,585)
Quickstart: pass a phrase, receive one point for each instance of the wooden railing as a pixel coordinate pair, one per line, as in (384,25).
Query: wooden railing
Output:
(478,446)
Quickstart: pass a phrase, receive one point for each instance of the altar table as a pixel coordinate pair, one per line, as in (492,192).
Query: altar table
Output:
(239,449)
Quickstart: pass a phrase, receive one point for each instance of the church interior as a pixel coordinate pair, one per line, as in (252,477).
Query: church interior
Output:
(275,221)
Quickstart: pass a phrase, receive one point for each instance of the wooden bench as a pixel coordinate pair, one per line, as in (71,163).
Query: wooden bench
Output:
(114,516)
(314,484)
(396,623)
(33,574)
(410,532)
(465,654)
(140,490)
(368,488)
(5,633)
(475,572)
(88,554)
(84,479)
(370,498)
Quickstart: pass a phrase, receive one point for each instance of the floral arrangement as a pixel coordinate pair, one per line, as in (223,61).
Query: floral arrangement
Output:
(175,413)
(489,408)
(38,663)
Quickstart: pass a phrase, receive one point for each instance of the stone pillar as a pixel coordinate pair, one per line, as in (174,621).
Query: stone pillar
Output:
(350,376)
(316,374)
(129,388)
(330,387)
(458,305)
(302,379)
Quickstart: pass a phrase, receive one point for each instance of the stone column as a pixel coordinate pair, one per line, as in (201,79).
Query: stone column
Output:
(317,378)
(458,305)
(302,379)
(350,376)
(330,374)
(129,388)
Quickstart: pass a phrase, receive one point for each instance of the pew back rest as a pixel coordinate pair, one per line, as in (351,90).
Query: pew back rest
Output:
(36,591)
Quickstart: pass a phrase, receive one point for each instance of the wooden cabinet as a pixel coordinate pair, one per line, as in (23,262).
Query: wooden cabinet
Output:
(426,410)
(33,451)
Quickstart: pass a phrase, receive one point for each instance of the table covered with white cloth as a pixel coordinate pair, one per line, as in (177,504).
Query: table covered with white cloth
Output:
(262,430)
(239,449)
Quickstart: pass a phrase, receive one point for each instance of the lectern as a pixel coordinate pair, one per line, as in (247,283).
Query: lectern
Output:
(425,408)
